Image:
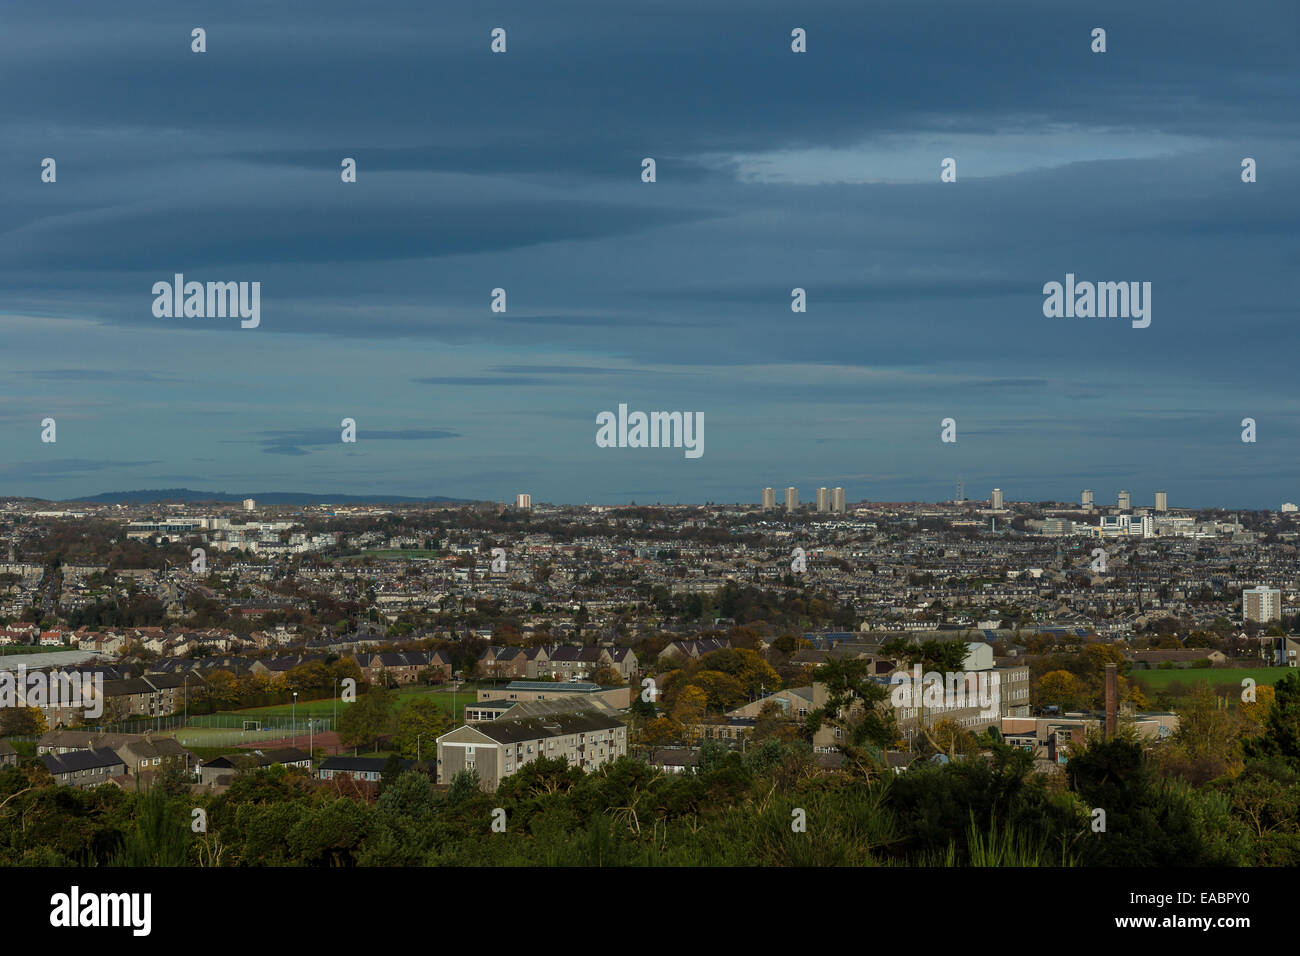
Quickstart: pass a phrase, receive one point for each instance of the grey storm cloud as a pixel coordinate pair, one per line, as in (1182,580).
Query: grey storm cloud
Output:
(774,171)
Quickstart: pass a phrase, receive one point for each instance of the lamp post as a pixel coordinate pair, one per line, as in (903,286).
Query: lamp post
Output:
(336,704)
(293,720)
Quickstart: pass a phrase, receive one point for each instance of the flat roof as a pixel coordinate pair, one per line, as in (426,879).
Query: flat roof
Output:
(584,687)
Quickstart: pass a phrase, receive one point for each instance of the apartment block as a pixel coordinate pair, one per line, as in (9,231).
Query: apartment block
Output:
(1261,604)
(501,747)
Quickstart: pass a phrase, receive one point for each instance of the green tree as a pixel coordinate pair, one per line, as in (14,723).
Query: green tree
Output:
(1281,737)
(366,720)
(328,835)
(1207,743)
(851,705)
(401,828)
(418,725)
(1266,798)
(1149,821)
(174,778)
(159,834)
(465,785)
(21,720)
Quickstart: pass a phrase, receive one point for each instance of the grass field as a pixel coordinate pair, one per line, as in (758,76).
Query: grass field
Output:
(325,708)
(1215,676)
(224,738)
(7,649)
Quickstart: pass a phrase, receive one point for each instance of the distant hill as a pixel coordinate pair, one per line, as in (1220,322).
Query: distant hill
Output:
(264,497)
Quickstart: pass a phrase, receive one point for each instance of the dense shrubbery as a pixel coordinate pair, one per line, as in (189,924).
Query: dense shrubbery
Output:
(734,810)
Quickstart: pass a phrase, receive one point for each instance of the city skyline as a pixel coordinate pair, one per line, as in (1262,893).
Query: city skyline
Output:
(836,500)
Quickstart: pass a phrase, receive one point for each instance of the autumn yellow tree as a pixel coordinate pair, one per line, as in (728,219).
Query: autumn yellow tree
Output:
(773,721)
(1131,691)
(689,709)
(1255,712)
(721,691)
(22,720)
(1094,659)
(608,677)
(661,731)
(951,739)
(1207,743)
(1061,688)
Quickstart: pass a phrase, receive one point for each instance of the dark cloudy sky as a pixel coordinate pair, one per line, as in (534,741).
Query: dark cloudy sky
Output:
(775,170)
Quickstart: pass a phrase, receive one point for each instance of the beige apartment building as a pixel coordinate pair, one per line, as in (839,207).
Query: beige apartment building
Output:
(1012,686)
(498,748)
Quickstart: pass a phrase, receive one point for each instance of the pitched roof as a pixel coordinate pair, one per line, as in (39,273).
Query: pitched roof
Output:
(1175,654)
(570,704)
(75,760)
(361,764)
(258,758)
(165,681)
(513,730)
(673,757)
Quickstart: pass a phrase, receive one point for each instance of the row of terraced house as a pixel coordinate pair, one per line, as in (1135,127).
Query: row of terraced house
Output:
(560,661)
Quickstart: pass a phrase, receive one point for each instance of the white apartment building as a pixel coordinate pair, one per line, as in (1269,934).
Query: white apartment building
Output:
(1262,604)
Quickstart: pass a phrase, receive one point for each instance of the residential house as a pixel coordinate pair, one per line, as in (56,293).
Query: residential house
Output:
(1177,657)
(1284,651)
(139,752)
(573,662)
(276,668)
(173,690)
(694,650)
(507,662)
(227,765)
(131,697)
(402,667)
(84,768)
(370,769)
